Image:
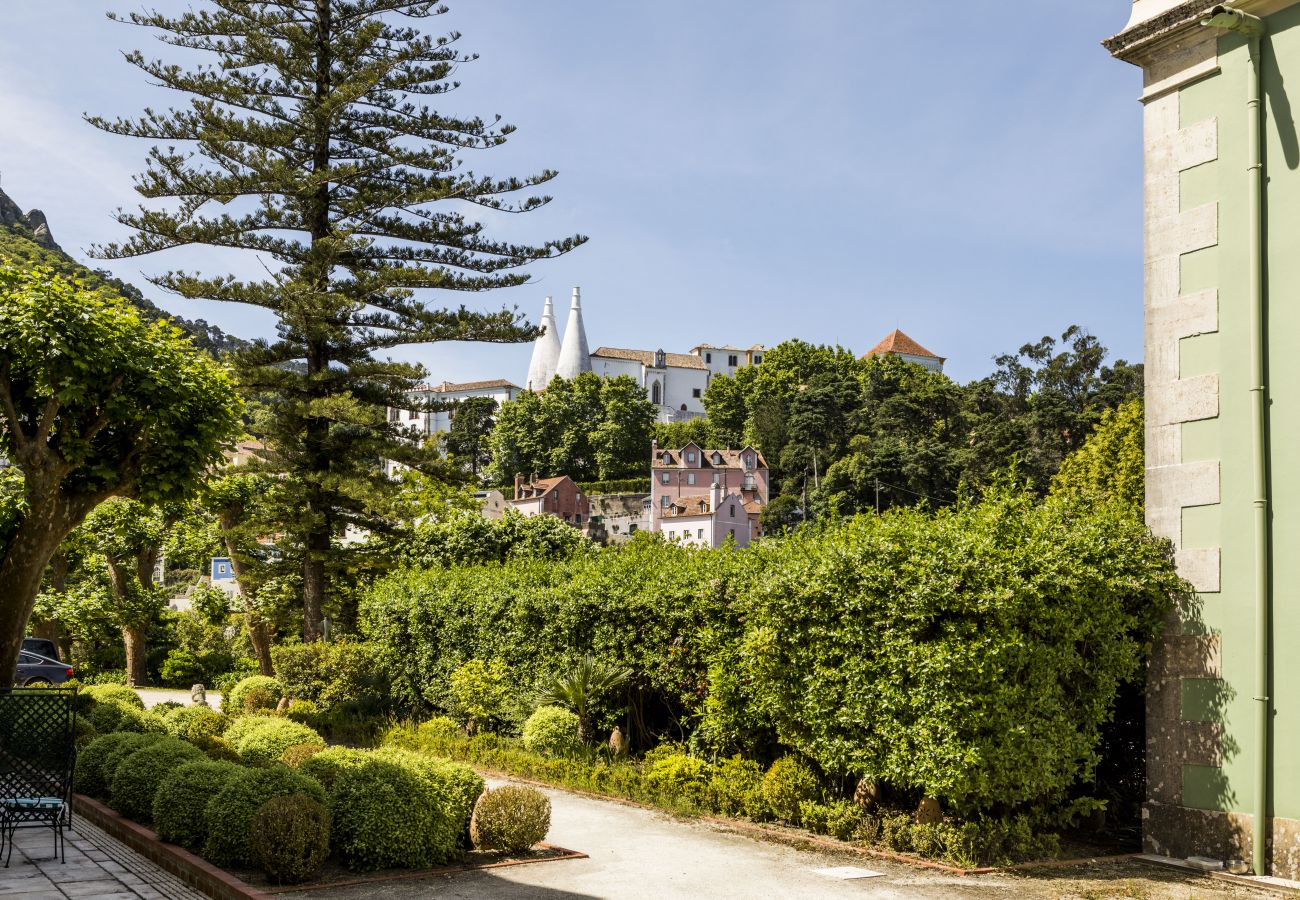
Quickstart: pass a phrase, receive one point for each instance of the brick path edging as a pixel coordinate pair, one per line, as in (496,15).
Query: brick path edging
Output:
(193,870)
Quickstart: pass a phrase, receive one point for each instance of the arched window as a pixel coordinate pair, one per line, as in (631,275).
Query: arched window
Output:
(654,393)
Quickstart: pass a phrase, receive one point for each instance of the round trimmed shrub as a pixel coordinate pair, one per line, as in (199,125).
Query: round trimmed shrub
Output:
(137,777)
(290,838)
(216,748)
(302,711)
(385,815)
(441,727)
(260,740)
(97,764)
(787,784)
(115,715)
(736,788)
(455,786)
(551,730)
(84,732)
(298,754)
(327,765)
(678,776)
(181,801)
(511,818)
(105,693)
(230,813)
(268,694)
(191,721)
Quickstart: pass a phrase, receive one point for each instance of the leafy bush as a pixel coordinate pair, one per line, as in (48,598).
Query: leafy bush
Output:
(344,674)
(191,721)
(386,816)
(181,801)
(290,838)
(999,634)
(303,712)
(511,818)
(840,818)
(182,668)
(217,748)
(295,756)
(242,668)
(262,739)
(89,777)
(456,788)
(678,775)
(115,715)
(787,784)
(103,693)
(137,777)
(230,813)
(736,788)
(441,726)
(484,692)
(551,730)
(327,765)
(583,688)
(265,694)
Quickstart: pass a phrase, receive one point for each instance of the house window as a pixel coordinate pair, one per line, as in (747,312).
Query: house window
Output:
(695,392)
(577,518)
(412,414)
(690,478)
(757,360)
(654,393)
(700,534)
(749,461)
(631,529)
(708,357)
(731,360)
(732,510)
(749,482)
(664,501)
(717,459)
(664,477)
(394,415)
(668,459)
(690,456)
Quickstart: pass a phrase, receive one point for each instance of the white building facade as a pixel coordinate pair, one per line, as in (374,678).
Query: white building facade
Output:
(673,382)
(430,421)
(725,360)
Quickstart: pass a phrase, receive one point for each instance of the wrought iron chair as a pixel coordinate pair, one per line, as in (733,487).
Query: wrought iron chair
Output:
(37,755)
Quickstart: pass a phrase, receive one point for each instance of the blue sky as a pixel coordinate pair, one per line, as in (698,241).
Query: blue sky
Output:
(747,171)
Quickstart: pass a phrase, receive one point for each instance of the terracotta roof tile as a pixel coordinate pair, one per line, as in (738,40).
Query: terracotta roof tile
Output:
(448,387)
(647,357)
(897,342)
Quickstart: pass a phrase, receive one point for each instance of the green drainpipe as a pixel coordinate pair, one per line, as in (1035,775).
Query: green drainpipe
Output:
(1252,28)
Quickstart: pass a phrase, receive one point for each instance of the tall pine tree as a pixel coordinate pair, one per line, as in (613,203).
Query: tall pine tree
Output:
(307,139)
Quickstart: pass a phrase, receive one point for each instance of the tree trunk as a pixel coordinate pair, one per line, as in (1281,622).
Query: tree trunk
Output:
(313,584)
(21,569)
(137,669)
(259,634)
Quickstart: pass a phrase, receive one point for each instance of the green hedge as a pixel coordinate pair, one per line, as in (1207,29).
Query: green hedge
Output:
(230,813)
(973,655)
(262,687)
(334,676)
(261,740)
(138,776)
(181,801)
(620,486)
(384,815)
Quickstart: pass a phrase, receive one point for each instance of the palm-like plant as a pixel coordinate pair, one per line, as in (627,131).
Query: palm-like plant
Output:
(581,688)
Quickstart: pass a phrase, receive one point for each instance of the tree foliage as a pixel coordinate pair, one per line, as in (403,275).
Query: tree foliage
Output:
(1111,463)
(95,404)
(307,139)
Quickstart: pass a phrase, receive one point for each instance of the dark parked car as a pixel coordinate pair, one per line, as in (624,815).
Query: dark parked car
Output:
(34,669)
(41,647)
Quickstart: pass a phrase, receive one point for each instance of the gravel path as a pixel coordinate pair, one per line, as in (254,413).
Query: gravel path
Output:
(153,696)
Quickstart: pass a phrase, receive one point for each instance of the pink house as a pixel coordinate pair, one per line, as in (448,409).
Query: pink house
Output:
(729,488)
(559,497)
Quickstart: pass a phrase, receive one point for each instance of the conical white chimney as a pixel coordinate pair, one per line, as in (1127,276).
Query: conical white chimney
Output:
(575,357)
(546,351)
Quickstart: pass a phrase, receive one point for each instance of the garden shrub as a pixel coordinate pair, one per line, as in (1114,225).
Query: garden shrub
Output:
(165,708)
(385,815)
(230,813)
(290,838)
(736,788)
(241,668)
(89,776)
(262,739)
(116,715)
(103,693)
(182,668)
(295,756)
(483,691)
(304,712)
(181,801)
(678,776)
(551,730)
(191,721)
(340,675)
(511,818)
(839,818)
(136,779)
(217,748)
(455,786)
(441,727)
(788,783)
(84,732)
(328,764)
(264,692)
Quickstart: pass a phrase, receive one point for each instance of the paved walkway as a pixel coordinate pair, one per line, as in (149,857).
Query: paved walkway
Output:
(98,867)
(636,853)
(153,696)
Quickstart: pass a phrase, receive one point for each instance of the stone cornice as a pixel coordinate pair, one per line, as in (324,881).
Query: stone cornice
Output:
(1137,43)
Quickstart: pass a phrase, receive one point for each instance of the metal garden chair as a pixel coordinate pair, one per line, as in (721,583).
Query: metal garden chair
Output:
(37,755)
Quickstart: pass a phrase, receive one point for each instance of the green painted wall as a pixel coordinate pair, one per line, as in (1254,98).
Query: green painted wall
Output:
(1231,613)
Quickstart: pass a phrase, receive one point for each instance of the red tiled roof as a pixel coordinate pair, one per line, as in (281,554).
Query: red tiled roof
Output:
(897,342)
(647,357)
(448,387)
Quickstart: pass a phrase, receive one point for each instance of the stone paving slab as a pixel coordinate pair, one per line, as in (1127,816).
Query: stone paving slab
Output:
(97,867)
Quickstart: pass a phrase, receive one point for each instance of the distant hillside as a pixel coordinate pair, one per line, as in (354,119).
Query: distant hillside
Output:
(26,238)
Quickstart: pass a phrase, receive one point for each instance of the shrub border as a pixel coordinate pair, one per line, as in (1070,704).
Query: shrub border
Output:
(219,884)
